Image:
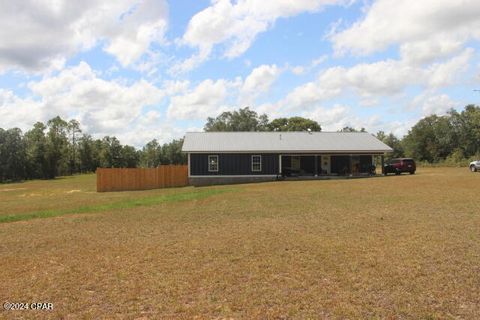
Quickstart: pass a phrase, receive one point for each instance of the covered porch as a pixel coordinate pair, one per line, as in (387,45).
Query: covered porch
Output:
(327,165)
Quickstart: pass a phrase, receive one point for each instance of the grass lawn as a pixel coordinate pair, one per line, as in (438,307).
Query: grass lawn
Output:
(396,247)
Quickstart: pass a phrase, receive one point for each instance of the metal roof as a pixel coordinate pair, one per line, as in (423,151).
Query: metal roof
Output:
(341,142)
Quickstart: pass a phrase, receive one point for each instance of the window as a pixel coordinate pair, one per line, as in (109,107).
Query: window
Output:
(213,163)
(256,163)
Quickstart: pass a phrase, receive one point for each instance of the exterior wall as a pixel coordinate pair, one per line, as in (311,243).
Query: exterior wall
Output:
(233,164)
(237,167)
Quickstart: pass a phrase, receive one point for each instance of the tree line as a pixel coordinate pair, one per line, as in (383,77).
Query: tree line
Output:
(59,147)
(453,138)
(248,120)
(450,139)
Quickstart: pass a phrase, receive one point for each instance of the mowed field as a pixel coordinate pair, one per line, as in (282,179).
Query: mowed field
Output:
(396,247)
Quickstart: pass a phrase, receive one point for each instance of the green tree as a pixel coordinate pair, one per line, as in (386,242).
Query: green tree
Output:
(150,155)
(466,128)
(293,124)
(241,120)
(111,153)
(57,147)
(393,142)
(36,150)
(73,128)
(351,129)
(130,157)
(12,155)
(172,153)
(89,153)
(431,139)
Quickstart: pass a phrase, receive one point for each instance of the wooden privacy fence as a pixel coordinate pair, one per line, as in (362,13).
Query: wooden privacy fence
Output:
(120,179)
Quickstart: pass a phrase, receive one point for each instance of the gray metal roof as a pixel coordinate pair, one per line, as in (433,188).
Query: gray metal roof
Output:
(340,142)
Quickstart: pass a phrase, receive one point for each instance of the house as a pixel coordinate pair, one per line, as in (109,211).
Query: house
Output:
(230,157)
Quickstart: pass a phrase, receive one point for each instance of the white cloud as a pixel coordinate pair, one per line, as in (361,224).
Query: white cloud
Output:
(304,69)
(271,109)
(133,36)
(211,97)
(438,105)
(431,103)
(17,112)
(310,94)
(261,78)
(319,61)
(331,119)
(298,70)
(175,87)
(371,81)
(386,77)
(424,29)
(237,24)
(429,50)
(150,127)
(447,73)
(259,81)
(40,35)
(102,107)
(206,99)
(339,116)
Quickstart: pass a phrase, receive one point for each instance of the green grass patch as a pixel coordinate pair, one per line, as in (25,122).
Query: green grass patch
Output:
(124,204)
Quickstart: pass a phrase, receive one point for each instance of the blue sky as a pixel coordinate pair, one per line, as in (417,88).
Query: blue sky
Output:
(153,69)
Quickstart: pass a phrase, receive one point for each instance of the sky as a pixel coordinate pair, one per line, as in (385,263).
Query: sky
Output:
(155,69)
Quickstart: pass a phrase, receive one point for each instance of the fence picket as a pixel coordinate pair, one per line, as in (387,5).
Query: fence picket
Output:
(122,179)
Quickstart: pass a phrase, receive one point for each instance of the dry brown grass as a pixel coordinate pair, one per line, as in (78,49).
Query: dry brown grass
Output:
(397,247)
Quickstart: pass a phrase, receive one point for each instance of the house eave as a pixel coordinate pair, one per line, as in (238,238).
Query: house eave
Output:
(292,151)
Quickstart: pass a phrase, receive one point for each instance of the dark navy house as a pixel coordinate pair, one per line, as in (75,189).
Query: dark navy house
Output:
(229,157)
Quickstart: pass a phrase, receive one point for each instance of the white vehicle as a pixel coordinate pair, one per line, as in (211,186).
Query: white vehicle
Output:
(475,165)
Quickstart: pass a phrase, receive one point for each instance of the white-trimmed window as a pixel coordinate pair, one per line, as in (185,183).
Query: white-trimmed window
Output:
(213,163)
(256,163)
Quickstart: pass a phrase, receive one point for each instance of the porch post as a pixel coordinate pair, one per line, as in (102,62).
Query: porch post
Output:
(383,164)
(351,166)
(280,164)
(316,165)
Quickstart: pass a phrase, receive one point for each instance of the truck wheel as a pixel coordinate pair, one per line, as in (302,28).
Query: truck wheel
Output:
(473,168)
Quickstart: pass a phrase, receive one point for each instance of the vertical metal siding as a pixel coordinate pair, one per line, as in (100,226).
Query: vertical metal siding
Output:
(233,164)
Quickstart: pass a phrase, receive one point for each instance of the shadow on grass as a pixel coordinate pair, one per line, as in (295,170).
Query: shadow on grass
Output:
(124,204)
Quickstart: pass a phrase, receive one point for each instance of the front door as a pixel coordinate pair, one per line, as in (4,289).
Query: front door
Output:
(325,164)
